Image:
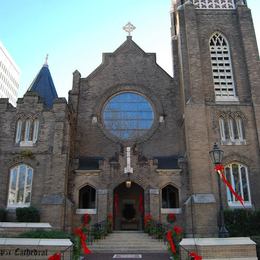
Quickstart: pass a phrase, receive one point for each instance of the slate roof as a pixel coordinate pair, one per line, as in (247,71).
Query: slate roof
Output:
(43,85)
(167,162)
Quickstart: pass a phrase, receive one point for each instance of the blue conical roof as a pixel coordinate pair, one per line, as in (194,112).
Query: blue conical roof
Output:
(44,87)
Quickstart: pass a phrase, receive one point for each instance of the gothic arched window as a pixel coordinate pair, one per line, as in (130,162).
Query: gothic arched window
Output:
(87,198)
(27,132)
(170,197)
(223,79)
(237,175)
(232,130)
(20,186)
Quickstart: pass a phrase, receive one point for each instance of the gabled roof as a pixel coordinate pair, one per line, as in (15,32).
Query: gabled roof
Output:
(127,47)
(43,85)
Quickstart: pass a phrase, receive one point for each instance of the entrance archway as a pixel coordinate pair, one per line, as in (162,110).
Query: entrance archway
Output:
(128,207)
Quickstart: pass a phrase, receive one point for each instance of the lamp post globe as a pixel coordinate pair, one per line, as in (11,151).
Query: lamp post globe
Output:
(216,154)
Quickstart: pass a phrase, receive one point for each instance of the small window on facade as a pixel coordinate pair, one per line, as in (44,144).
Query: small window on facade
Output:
(170,197)
(20,186)
(87,198)
(27,132)
(221,63)
(237,175)
(232,130)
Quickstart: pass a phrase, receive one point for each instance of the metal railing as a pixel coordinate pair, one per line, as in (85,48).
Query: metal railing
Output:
(98,231)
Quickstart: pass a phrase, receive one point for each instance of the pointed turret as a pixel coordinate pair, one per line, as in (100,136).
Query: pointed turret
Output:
(43,85)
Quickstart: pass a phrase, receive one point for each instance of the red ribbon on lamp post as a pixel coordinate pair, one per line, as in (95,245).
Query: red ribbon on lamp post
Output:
(219,168)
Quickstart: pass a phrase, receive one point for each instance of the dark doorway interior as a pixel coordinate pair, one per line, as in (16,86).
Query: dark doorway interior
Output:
(128,207)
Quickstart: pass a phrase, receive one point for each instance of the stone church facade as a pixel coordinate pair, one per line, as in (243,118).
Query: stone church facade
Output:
(132,140)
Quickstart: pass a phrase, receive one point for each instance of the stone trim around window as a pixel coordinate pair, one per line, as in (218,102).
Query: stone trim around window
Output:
(86,211)
(222,71)
(171,210)
(238,176)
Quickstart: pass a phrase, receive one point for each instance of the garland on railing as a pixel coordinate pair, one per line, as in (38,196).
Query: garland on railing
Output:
(172,234)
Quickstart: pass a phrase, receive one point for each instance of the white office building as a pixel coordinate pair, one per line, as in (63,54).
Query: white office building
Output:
(9,76)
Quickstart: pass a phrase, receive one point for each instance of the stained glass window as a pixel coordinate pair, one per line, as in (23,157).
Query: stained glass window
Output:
(20,186)
(128,115)
(237,175)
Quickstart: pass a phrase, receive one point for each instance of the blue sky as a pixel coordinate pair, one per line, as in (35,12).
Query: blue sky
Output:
(75,33)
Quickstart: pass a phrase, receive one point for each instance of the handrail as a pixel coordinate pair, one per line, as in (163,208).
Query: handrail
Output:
(98,231)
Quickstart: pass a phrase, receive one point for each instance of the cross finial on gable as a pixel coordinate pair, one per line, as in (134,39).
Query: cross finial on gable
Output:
(129,27)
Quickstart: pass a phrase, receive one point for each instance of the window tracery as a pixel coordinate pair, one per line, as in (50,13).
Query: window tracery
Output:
(221,64)
(20,186)
(27,131)
(214,4)
(232,129)
(237,175)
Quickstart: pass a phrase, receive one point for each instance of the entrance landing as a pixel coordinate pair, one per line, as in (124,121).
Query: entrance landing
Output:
(124,242)
(146,256)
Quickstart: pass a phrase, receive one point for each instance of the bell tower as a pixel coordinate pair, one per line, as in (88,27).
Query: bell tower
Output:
(216,64)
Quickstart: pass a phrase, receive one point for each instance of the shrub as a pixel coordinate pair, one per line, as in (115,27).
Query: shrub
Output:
(2,215)
(241,222)
(29,214)
(45,234)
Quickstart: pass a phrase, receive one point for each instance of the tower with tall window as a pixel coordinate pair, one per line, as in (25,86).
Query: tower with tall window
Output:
(34,151)
(218,64)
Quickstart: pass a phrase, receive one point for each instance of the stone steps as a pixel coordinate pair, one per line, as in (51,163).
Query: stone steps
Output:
(130,242)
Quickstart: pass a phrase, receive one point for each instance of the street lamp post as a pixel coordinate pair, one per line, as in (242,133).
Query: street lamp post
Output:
(216,156)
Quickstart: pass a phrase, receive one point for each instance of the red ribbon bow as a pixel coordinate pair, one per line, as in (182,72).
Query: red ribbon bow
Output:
(86,219)
(170,240)
(195,256)
(178,230)
(219,168)
(56,256)
(83,238)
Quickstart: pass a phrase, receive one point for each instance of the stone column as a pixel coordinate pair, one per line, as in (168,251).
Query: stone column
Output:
(102,196)
(155,203)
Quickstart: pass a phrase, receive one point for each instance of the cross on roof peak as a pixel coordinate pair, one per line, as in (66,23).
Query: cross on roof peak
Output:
(129,27)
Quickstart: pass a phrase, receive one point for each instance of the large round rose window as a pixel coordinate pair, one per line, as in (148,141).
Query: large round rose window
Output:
(128,115)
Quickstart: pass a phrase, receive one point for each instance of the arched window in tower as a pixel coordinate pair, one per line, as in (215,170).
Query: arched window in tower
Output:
(232,130)
(237,175)
(223,79)
(20,186)
(214,4)
(27,132)
(170,197)
(87,198)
